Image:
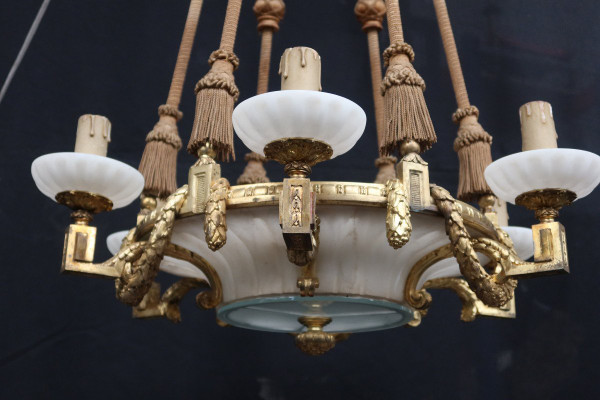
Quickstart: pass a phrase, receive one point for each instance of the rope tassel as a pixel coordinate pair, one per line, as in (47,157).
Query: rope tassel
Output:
(255,171)
(217,92)
(405,111)
(159,161)
(473,145)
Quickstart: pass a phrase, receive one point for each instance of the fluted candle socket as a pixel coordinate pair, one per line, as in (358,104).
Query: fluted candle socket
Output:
(537,126)
(93,135)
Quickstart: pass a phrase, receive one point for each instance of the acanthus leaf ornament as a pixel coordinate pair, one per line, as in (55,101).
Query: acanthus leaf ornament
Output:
(494,290)
(209,298)
(420,299)
(215,224)
(139,263)
(467,297)
(398,225)
(153,305)
(471,305)
(501,257)
(315,341)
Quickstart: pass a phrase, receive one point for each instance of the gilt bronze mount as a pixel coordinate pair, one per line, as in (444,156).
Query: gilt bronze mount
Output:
(84,205)
(546,202)
(298,154)
(315,341)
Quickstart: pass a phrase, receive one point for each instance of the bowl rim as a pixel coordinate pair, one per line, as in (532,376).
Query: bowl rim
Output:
(123,198)
(500,163)
(344,145)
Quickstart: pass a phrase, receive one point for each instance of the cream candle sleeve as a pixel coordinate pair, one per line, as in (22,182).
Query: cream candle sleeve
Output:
(300,69)
(93,135)
(537,126)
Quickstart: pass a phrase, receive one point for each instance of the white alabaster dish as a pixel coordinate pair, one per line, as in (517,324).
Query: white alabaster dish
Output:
(327,117)
(361,277)
(571,169)
(169,264)
(60,172)
(522,239)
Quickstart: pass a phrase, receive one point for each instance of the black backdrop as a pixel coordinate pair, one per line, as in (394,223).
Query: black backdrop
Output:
(67,337)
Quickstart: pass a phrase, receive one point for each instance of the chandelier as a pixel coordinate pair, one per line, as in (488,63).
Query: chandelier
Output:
(318,259)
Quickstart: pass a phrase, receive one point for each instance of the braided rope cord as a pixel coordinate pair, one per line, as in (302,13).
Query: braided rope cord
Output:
(185,51)
(264,64)
(374,52)
(456,74)
(394,21)
(232,16)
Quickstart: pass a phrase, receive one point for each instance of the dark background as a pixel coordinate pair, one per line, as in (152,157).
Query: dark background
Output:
(67,337)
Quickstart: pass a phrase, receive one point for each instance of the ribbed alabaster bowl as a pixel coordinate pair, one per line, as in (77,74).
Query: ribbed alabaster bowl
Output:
(570,169)
(327,117)
(361,278)
(60,172)
(358,272)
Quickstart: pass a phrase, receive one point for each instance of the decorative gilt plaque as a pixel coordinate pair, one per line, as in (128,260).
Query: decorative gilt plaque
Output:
(200,177)
(550,252)
(296,213)
(413,172)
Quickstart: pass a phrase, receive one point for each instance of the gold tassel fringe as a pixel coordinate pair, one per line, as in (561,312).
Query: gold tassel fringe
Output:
(216,94)
(159,161)
(473,145)
(405,112)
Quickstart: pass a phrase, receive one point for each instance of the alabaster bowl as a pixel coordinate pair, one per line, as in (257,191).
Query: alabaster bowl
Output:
(61,172)
(260,290)
(326,117)
(361,278)
(575,170)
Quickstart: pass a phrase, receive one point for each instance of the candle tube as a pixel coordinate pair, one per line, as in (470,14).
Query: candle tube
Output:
(300,69)
(93,134)
(537,126)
